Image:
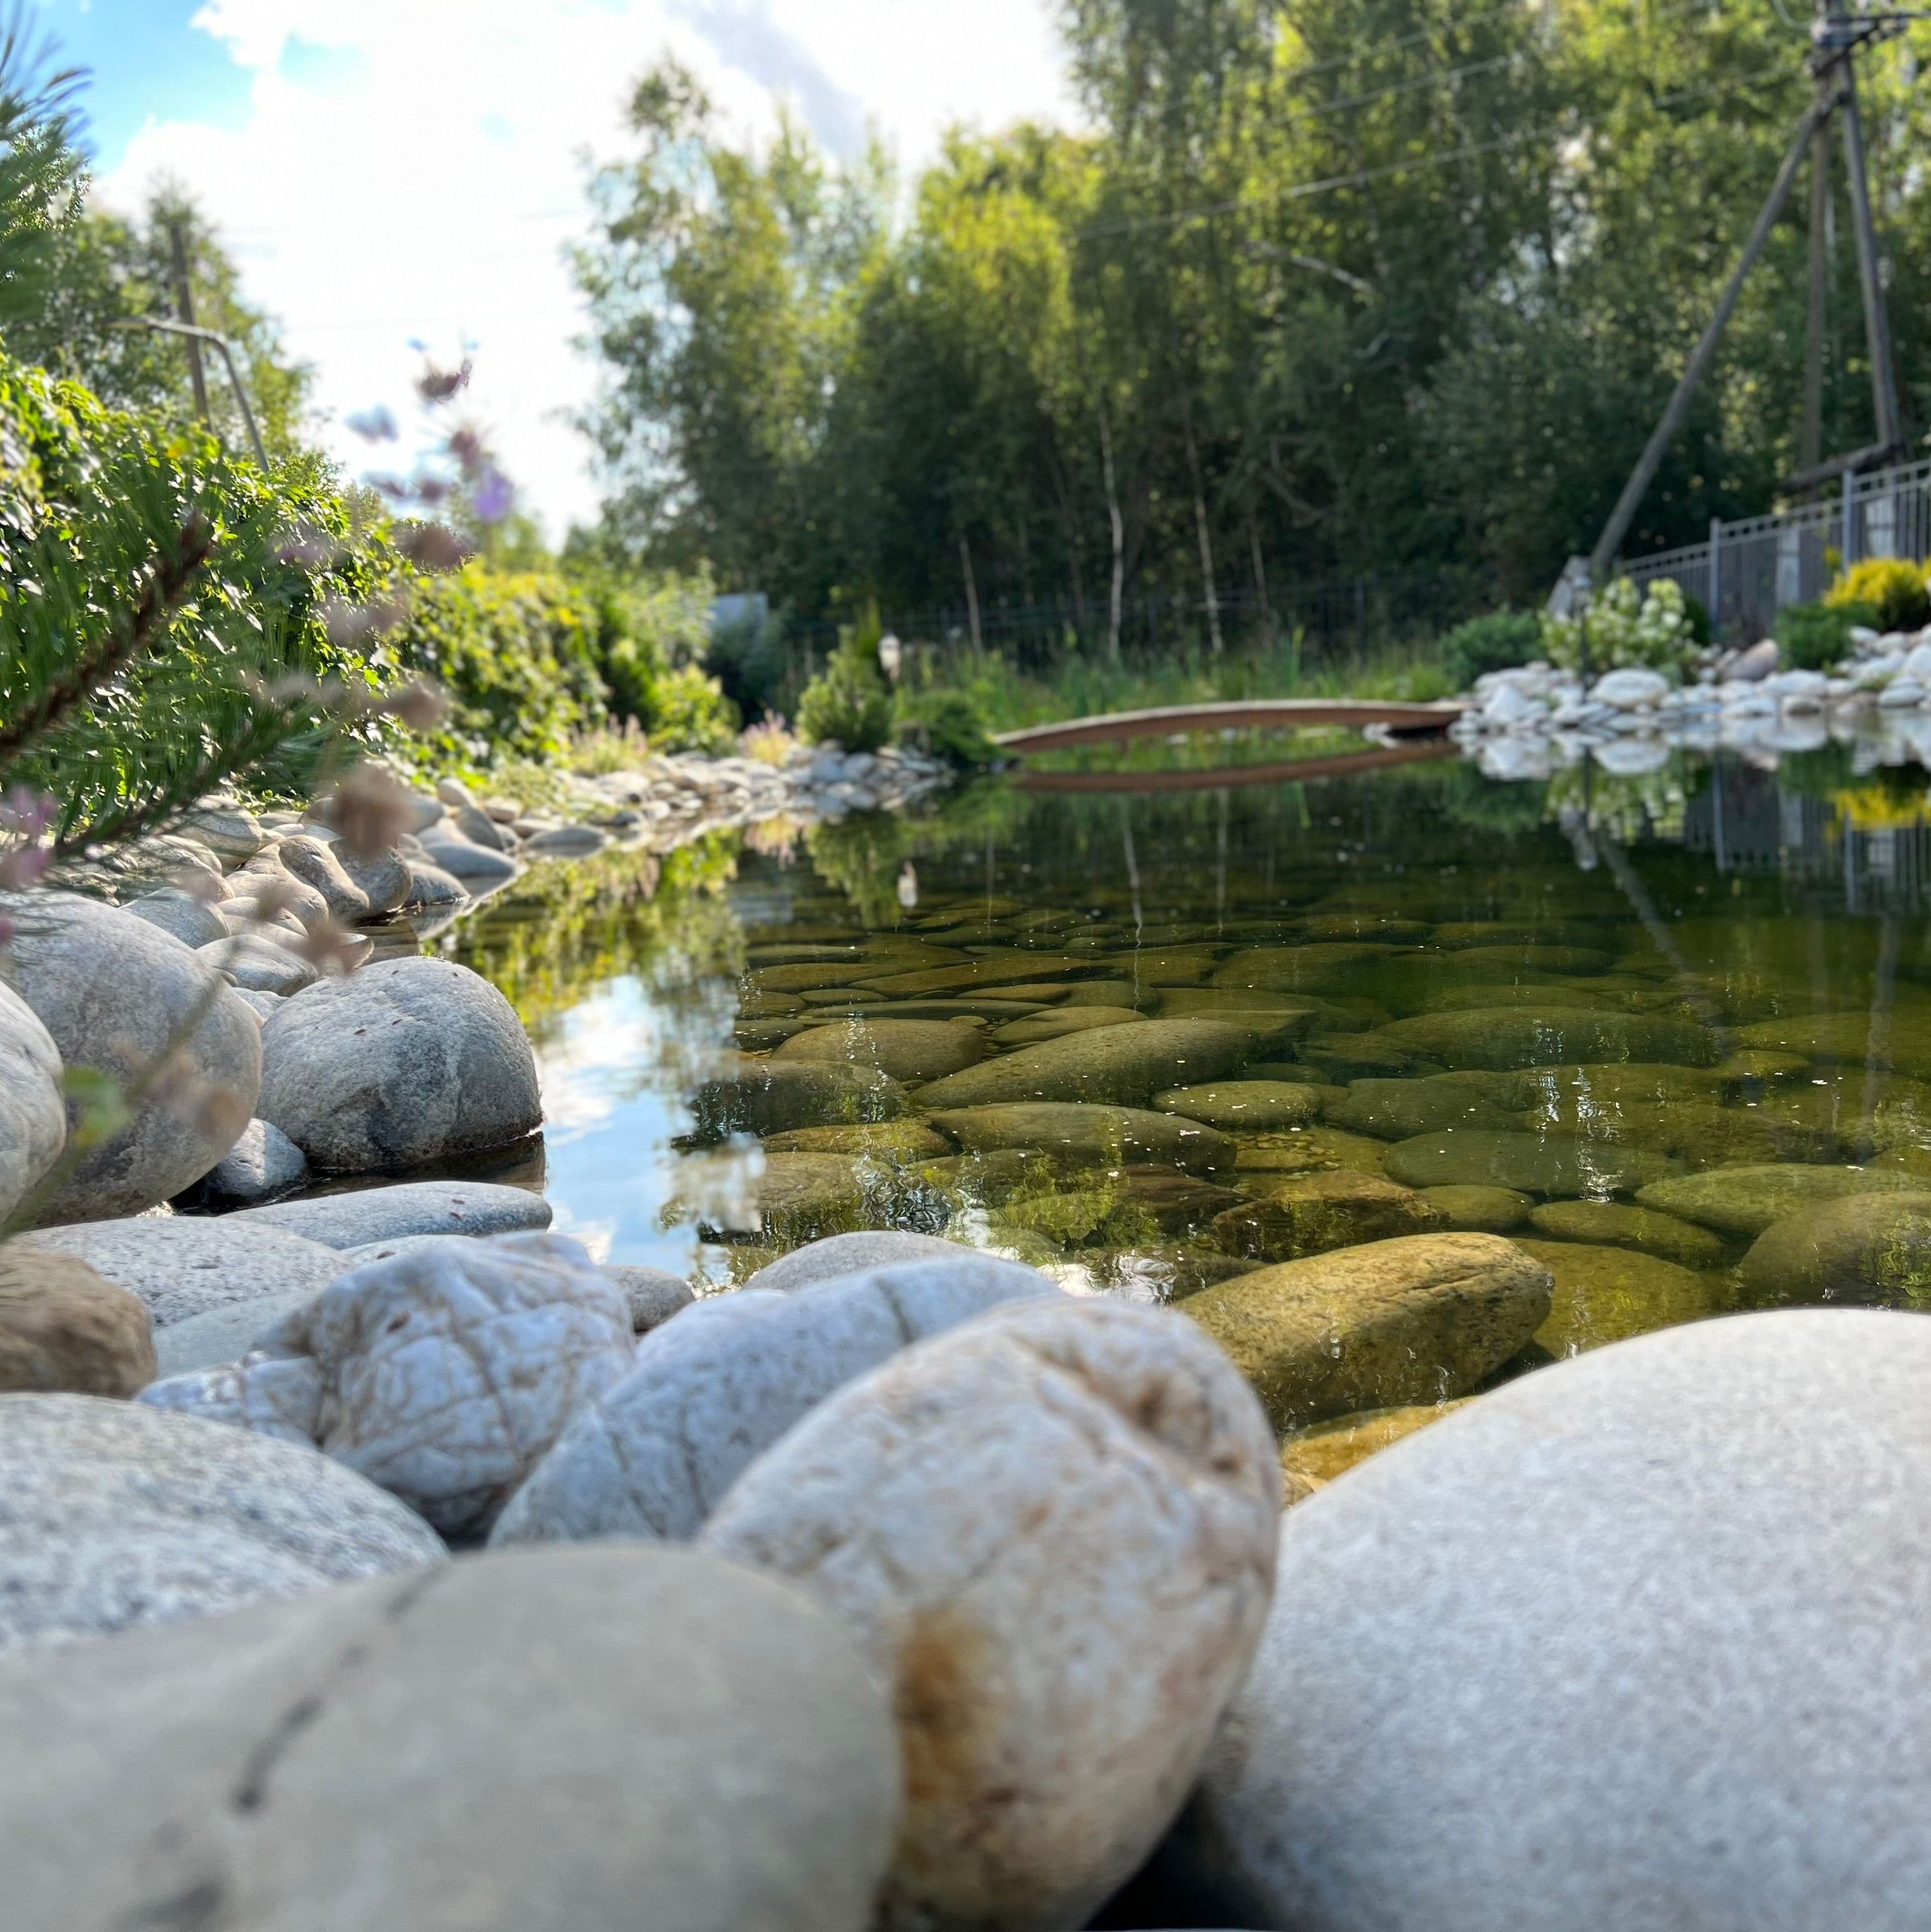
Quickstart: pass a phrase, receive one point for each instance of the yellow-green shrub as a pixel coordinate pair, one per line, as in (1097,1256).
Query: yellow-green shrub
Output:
(1897,589)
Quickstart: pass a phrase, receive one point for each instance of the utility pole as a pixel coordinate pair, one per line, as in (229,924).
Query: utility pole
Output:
(183,302)
(1836,40)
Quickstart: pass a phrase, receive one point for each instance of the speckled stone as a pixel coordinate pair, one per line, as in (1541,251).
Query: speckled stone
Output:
(114,1516)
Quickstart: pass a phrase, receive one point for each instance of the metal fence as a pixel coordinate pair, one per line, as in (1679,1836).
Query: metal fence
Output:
(1749,570)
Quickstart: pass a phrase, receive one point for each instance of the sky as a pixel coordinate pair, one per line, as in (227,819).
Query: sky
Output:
(392,171)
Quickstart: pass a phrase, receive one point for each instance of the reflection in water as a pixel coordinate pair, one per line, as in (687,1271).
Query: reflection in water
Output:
(1636,1022)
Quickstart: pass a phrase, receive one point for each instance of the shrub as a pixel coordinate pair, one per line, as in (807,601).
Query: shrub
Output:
(1626,627)
(170,616)
(1897,591)
(689,713)
(1815,637)
(948,725)
(1498,642)
(747,658)
(847,703)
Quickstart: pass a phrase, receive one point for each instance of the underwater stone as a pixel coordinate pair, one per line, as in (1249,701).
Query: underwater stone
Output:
(1089,1136)
(912,1051)
(1125,1065)
(1239,1106)
(1309,1214)
(1745,1200)
(1614,1224)
(1413,1320)
(1529,1163)
(1604,1294)
(1869,1248)
(1542,1036)
(1472,1208)
(765,1096)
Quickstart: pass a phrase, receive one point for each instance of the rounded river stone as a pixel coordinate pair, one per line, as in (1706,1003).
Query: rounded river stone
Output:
(477,1746)
(1237,1106)
(1309,1214)
(114,992)
(1051,1531)
(114,1515)
(1473,1209)
(1614,1224)
(1616,1647)
(770,1097)
(1125,1065)
(1543,1036)
(1864,1249)
(1417,1319)
(912,1051)
(1607,1294)
(1745,1200)
(64,1328)
(33,1111)
(1529,1163)
(712,1390)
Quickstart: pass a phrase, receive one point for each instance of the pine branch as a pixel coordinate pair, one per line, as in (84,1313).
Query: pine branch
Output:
(136,633)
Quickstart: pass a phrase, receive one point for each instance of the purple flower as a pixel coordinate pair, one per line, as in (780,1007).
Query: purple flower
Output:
(494,496)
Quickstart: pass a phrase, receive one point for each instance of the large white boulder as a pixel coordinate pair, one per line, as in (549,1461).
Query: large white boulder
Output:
(408,1061)
(573,1740)
(1052,1531)
(714,1388)
(1633,1641)
(118,995)
(114,1516)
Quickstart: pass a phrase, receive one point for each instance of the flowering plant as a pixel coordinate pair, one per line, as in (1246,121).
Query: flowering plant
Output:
(1626,626)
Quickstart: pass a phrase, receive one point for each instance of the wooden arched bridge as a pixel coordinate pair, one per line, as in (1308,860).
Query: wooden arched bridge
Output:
(1420,731)
(1253,714)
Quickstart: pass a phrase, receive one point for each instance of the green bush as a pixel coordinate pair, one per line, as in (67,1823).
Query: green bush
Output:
(1815,637)
(1899,592)
(1625,627)
(748,660)
(165,612)
(847,703)
(1498,642)
(948,725)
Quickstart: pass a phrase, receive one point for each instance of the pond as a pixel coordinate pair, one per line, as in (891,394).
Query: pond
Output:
(1631,1023)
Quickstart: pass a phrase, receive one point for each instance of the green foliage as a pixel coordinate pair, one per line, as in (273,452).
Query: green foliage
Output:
(847,703)
(1816,637)
(1626,627)
(1360,286)
(40,168)
(748,660)
(1898,591)
(1498,642)
(163,612)
(948,725)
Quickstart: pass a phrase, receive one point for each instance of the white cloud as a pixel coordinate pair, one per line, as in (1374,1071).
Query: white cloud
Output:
(426,187)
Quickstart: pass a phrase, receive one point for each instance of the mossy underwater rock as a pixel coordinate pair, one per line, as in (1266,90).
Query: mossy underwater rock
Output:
(1529,1163)
(1546,1036)
(1473,1209)
(1245,1106)
(1312,1457)
(1607,1294)
(897,1141)
(1866,1250)
(771,1096)
(1745,1200)
(1038,1027)
(1078,1135)
(1615,1224)
(1309,1214)
(1394,1322)
(1315,968)
(911,1052)
(1124,1065)
(1396,1110)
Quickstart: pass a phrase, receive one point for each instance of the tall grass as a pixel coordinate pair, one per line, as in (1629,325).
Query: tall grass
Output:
(1078,684)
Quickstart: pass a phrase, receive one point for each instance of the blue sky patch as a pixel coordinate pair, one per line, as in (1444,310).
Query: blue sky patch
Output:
(149,65)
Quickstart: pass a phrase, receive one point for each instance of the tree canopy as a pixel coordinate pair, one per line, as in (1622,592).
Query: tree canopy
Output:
(1333,288)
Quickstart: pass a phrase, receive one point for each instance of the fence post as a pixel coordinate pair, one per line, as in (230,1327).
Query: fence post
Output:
(1850,518)
(1716,579)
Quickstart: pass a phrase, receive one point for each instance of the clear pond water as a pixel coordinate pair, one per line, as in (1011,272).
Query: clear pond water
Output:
(1590,1013)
